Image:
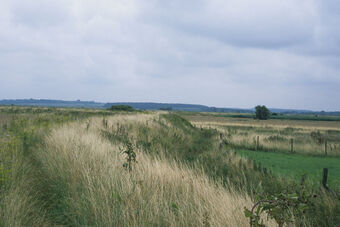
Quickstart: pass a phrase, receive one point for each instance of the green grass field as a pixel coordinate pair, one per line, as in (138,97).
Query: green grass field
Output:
(297,165)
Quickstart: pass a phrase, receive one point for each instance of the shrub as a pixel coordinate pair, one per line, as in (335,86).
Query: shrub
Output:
(281,207)
(317,137)
(275,138)
(122,108)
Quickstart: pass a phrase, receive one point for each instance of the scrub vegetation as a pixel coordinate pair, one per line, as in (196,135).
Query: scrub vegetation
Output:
(84,167)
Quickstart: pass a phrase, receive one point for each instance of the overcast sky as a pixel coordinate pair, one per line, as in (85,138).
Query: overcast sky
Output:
(224,53)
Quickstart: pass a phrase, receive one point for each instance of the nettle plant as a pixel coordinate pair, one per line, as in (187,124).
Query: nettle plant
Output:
(281,207)
(130,155)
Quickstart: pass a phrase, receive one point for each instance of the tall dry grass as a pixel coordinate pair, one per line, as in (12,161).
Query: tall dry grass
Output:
(19,203)
(87,184)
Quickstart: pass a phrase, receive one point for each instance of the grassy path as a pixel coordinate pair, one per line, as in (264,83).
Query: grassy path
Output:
(296,165)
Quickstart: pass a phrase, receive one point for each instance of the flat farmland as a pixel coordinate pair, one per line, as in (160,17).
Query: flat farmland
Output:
(316,138)
(288,148)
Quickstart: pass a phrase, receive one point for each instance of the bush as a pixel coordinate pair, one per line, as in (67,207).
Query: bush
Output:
(317,137)
(122,108)
(275,138)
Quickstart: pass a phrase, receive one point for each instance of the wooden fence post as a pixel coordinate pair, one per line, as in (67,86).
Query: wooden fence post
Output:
(291,145)
(324,178)
(326,148)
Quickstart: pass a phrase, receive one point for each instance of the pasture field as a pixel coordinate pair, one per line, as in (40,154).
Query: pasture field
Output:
(71,167)
(309,137)
(296,166)
(269,143)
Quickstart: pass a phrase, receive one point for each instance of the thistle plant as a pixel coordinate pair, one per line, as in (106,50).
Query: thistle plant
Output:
(130,155)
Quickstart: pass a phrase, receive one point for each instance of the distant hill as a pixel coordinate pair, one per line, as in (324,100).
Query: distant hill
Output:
(176,107)
(277,110)
(293,111)
(151,106)
(51,103)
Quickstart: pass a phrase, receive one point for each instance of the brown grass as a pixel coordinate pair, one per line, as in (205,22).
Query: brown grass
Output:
(77,178)
(100,192)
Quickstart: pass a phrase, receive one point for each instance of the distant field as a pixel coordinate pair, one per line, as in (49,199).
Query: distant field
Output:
(297,165)
(299,117)
(309,137)
(219,120)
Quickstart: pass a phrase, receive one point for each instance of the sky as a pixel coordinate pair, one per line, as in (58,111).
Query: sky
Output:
(234,53)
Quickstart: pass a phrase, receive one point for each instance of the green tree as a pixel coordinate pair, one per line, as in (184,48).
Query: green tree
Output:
(262,112)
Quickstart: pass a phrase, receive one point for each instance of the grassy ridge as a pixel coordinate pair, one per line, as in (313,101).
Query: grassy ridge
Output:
(87,184)
(75,177)
(183,142)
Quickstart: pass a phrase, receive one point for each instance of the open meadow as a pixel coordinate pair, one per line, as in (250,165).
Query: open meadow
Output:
(85,167)
(292,148)
(276,135)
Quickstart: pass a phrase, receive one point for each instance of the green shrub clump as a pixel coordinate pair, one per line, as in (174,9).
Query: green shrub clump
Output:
(122,108)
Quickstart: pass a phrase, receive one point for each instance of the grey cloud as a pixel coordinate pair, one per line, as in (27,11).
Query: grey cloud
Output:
(223,53)
(39,13)
(264,23)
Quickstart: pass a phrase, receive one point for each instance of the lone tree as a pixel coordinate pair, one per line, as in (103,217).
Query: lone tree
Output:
(262,112)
